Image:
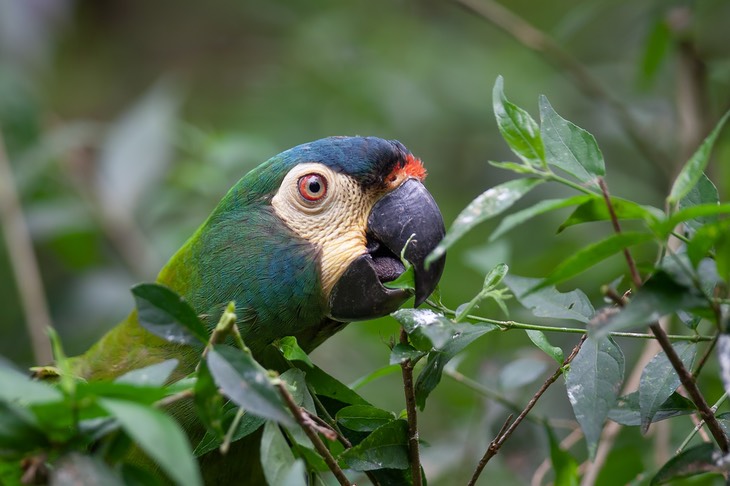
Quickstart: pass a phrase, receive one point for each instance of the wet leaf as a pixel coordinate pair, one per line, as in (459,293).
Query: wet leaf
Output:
(593,382)
(659,381)
(426,328)
(165,314)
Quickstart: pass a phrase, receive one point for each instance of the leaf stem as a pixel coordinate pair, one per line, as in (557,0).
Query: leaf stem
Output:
(508,325)
(304,422)
(510,427)
(413,452)
(226,445)
(700,424)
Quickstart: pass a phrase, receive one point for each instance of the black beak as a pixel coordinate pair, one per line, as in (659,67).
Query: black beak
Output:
(409,218)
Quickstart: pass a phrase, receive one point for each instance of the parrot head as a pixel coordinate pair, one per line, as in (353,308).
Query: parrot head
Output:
(307,241)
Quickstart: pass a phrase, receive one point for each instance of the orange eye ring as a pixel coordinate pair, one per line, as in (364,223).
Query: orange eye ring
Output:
(312,187)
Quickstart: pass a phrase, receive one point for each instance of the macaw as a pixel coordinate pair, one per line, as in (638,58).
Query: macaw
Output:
(303,245)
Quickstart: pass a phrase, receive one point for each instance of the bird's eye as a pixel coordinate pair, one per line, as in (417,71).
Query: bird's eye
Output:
(312,187)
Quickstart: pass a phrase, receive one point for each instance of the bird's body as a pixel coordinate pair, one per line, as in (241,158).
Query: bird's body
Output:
(302,244)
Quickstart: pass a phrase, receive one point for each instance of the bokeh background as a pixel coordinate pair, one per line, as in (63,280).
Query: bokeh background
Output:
(126,120)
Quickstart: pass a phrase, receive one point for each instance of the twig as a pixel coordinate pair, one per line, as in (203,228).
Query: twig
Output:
(23,262)
(508,428)
(228,439)
(306,424)
(413,453)
(685,377)
(705,357)
(538,41)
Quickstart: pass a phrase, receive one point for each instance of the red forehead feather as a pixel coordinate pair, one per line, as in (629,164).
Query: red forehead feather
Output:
(412,168)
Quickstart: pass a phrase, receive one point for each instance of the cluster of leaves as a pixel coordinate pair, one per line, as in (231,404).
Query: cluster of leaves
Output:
(74,432)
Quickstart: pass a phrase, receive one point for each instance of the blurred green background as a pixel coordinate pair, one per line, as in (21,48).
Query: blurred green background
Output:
(126,120)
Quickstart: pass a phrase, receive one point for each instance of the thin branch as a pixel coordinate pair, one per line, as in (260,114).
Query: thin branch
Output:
(635,276)
(169,400)
(698,427)
(705,357)
(307,426)
(413,453)
(591,86)
(23,262)
(509,428)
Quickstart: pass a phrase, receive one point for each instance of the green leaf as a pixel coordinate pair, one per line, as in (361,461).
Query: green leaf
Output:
(513,166)
(564,464)
(656,47)
(67,379)
(374,375)
(690,462)
(277,458)
(487,205)
(517,127)
(385,448)
(707,237)
(430,376)
(19,388)
(704,192)
(659,381)
(246,426)
(154,375)
(167,315)
(406,280)
(208,402)
(659,296)
(593,382)
(426,328)
(547,205)
(520,372)
(589,255)
(296,383)
(76,469)
(363,418)
(246,383)
(538,339)
(145,395)
(19,431)
(549,302)
(289,347)
(692,171)
(569,147)
(159,436)
(596,210)
(325,385)
(628,409)
(402,352)
(665,227)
